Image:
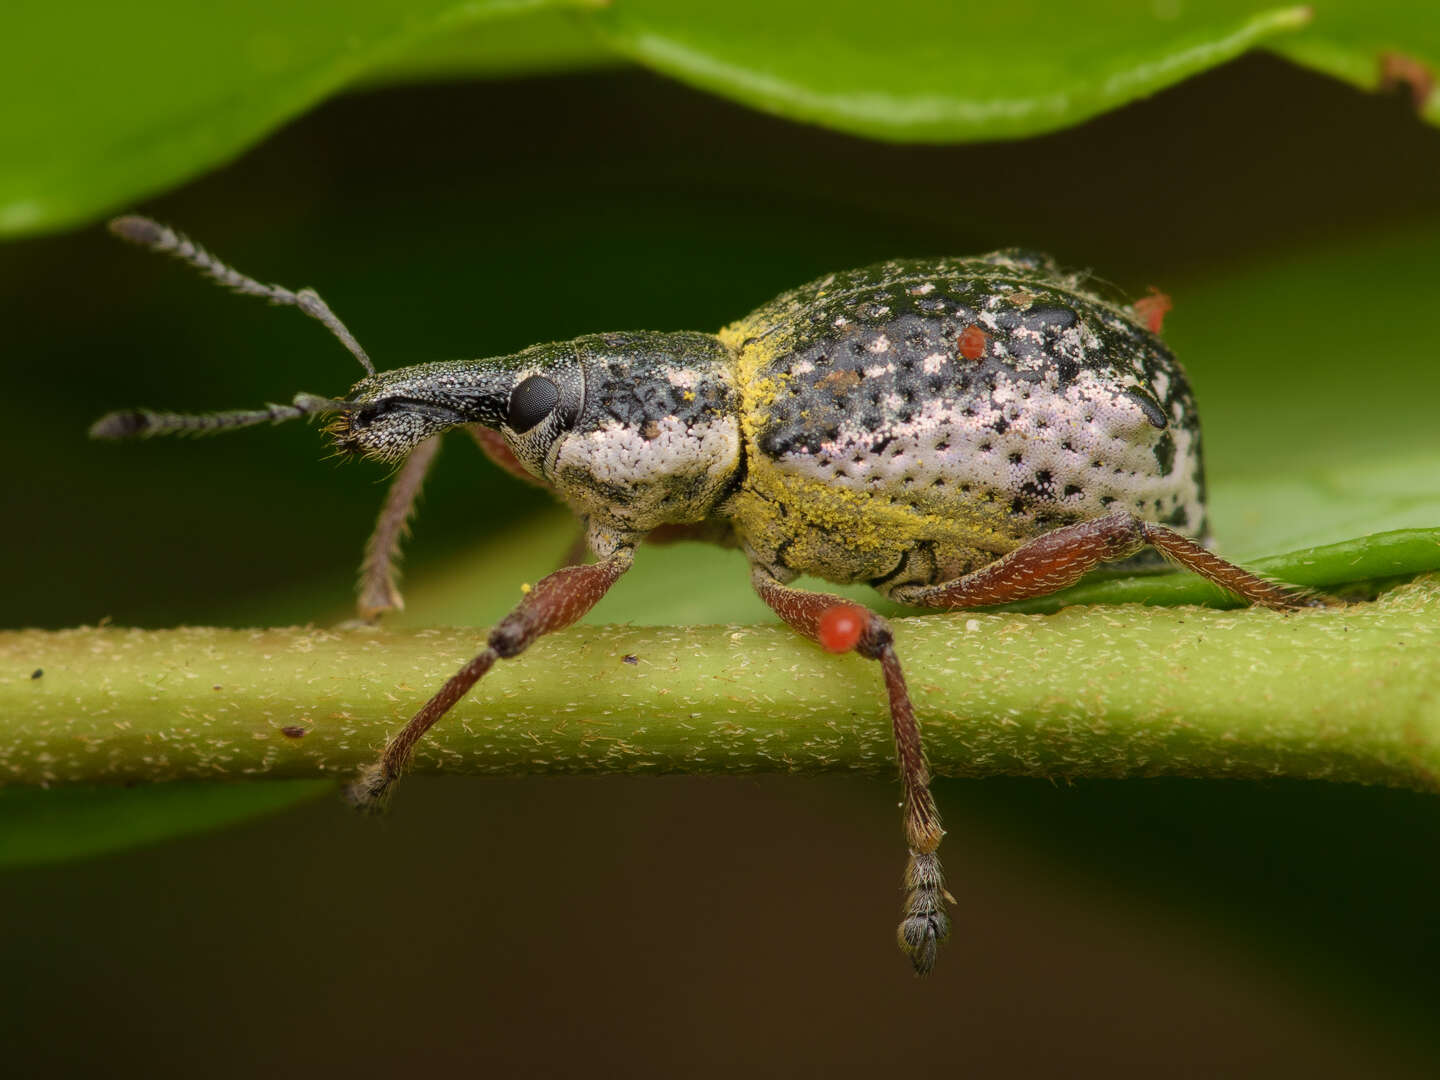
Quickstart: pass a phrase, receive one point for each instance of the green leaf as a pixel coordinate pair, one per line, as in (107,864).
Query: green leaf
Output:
(922,71)
(543,41)
(1374,45)
(41,826)
(124,100)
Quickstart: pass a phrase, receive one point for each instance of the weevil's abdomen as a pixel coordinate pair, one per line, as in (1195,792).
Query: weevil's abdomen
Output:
(908,422)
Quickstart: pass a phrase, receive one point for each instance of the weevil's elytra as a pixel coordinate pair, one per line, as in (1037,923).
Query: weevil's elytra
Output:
(902,461)
(956,432)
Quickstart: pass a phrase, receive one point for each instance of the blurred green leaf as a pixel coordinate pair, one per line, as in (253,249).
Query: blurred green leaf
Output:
(922,71)
(547,40)
(49,825)
(123,100)
(1374,45)
(126,101)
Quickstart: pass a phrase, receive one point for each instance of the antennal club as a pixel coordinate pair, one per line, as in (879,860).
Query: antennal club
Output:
(167,241)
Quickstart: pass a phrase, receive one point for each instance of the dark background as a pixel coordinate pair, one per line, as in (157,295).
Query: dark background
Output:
(660,925)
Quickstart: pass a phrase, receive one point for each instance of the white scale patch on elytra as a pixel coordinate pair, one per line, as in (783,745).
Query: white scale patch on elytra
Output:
(1088,439)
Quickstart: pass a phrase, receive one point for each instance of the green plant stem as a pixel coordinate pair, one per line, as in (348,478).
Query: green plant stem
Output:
(1350,694)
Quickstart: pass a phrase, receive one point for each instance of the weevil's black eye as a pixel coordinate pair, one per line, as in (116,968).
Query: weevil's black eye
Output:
(531,401)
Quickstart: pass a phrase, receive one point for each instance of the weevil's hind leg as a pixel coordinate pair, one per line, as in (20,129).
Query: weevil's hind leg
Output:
(1060,558)
(378,592)
(556,602)
(925,925)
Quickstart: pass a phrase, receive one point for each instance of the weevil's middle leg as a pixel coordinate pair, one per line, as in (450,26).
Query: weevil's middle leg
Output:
(925,924)
(1063,556)
(553,604)
(378,592)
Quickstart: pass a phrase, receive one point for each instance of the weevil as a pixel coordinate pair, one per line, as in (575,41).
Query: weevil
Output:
(955,432)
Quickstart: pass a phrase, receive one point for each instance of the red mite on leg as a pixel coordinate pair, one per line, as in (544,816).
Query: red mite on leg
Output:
(840,627)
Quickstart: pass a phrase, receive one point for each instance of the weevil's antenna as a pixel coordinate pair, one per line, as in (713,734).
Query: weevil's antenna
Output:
(167,241)
(133,423)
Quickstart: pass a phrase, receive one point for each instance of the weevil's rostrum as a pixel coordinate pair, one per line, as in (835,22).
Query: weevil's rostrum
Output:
(956,432)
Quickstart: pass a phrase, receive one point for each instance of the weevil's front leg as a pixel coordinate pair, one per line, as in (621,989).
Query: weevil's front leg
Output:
(556,602)
(840,626)
(1061,557)
(378,592)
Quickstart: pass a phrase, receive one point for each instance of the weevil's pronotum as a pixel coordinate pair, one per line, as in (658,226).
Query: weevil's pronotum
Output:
(955,432)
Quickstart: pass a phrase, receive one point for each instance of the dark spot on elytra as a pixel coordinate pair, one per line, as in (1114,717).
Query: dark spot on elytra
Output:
(1165,454)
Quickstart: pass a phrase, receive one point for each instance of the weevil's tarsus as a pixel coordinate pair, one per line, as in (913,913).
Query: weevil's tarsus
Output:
(142,423)
(553,604)
(1061,557)
(167,241)
(378,591)
(924,925)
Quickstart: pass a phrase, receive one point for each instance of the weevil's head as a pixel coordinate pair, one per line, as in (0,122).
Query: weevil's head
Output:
(635,429)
